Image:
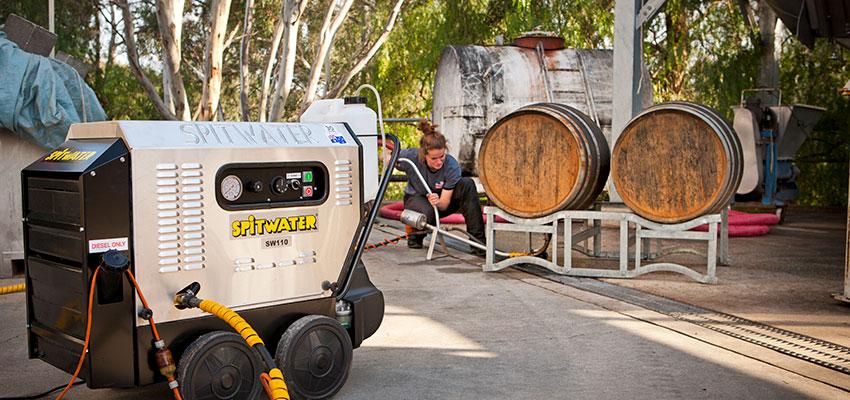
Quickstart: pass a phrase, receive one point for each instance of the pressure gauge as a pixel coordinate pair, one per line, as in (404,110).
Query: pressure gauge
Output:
(231,187)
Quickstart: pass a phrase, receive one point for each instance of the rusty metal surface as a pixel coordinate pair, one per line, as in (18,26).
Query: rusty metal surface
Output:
(475,86)
(548,42)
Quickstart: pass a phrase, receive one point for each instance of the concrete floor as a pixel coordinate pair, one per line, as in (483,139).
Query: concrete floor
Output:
(451,331)
(783,279)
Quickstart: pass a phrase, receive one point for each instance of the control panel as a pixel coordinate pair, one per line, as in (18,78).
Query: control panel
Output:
(271,185)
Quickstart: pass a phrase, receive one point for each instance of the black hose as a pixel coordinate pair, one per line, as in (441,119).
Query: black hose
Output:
(42,394)
(365,227)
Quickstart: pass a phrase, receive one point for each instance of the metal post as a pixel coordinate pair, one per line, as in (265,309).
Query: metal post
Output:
(724,237)
(847,253)
(628,59)
(597,237)
(624,246)
(51,16)
(568,244)
(489,235)
(554,255)
(638,242)
(711,268)
(845,296)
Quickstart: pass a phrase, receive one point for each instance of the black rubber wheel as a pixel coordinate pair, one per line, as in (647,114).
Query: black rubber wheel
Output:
(315,356)
(219,365)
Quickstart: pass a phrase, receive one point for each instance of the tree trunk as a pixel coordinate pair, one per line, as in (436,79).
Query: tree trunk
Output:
(214,57)
(167,97)
(287,57)
(771,51)
(243,61)
(133,57)
(326,39)
(169,17)
(113,33)
(345,80)
(677,43)
(267,72)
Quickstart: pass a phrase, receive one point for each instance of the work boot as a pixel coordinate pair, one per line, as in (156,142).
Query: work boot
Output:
(415,241)
(475,251)
(478,252)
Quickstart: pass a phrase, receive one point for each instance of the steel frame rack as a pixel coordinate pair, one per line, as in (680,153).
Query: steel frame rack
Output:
(633,232)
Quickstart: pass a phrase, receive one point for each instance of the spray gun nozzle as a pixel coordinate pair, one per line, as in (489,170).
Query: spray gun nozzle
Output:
(414,219)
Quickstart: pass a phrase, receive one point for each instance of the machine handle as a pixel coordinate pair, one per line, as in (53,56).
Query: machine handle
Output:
(365,227)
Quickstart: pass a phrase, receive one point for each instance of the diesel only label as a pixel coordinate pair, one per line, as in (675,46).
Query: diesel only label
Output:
(104,245)
(257,225)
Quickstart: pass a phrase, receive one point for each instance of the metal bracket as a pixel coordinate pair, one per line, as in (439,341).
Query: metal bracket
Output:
(649,10)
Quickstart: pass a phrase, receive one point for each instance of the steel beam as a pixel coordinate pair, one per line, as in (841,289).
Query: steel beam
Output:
(628,60)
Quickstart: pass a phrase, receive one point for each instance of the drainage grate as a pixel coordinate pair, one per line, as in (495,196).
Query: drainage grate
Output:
(820,352)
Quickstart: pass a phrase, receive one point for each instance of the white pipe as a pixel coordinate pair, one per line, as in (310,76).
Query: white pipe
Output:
(466,240)
(380,118)
(424,183)
(51,24)
(436,229)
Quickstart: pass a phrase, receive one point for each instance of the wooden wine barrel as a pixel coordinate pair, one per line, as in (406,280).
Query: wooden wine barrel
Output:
(543,158)
(677,161)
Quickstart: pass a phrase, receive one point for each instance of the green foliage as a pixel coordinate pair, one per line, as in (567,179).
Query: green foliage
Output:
(697,50)
(813,77)
(582,23)
(703,51)
(123,98)
(405,68)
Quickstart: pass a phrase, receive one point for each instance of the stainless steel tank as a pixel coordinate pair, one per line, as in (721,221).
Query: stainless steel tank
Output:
(475,86)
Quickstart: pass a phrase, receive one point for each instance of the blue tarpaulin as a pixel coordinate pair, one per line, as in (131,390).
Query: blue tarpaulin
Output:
(40,97)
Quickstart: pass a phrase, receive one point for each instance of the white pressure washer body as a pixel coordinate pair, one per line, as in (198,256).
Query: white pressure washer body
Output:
(267,217)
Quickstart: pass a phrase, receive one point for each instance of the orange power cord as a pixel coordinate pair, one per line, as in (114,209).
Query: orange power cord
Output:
(170,373)
(132,278)
(88,332)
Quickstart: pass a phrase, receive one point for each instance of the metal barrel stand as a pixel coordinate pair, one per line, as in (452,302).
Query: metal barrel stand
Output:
(632,228)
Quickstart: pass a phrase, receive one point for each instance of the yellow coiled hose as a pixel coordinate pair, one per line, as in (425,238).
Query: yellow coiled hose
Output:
(279,391)
(12,289)
(233,319)
(276,384)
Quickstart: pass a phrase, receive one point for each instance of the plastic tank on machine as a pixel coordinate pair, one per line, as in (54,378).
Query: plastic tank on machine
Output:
(363,121)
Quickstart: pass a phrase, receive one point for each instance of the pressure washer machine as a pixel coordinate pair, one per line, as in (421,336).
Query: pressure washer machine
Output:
(269,219)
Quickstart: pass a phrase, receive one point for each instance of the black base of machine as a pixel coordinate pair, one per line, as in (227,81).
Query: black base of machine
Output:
(367,305)
(76,197)
(269,322)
